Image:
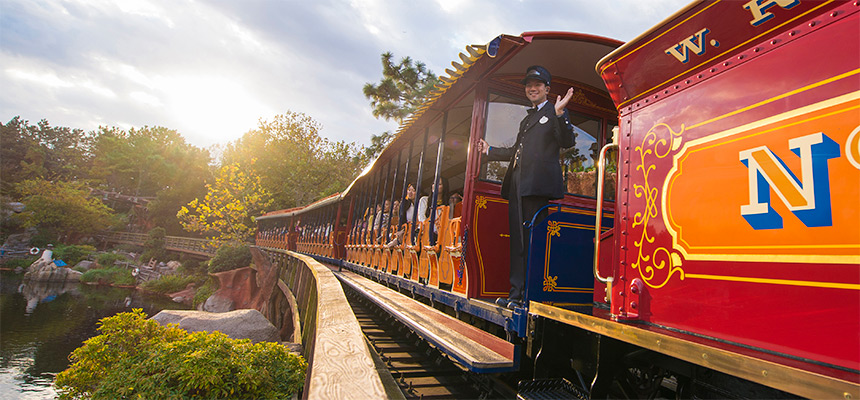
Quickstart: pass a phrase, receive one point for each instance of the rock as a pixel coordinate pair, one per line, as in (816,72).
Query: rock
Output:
(84,265)
(46,271)
(238,324)
(218,304)
(185,296)
(173,265)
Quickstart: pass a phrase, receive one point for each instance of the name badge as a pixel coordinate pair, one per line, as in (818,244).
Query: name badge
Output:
(543,119)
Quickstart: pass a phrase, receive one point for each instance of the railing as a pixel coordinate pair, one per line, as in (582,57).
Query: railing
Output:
(199,247)
(340,364)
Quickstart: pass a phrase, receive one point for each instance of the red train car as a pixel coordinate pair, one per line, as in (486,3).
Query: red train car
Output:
(726,259)
(739,192)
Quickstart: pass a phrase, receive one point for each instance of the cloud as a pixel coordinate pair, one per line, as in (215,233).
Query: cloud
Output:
(212,68)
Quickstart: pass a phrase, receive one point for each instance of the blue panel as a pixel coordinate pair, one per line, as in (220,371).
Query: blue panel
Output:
(561,253)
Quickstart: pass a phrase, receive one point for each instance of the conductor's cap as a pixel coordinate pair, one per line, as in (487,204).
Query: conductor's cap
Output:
(538,73)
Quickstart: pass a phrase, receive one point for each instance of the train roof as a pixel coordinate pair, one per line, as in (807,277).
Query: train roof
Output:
(333,198)
(696,37)
(506,57)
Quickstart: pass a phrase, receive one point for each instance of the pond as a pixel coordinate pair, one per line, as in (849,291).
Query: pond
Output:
(41,324)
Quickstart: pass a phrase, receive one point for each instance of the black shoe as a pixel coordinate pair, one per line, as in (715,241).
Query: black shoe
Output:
(516,303)
(502,302)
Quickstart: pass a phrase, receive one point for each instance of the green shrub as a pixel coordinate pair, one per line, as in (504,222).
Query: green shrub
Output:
(134,357)
(72,254)
(229,257)
(154,245)
(203,292)
(169,283)
(19,262)
(43,237)
(106,260)
(110,275)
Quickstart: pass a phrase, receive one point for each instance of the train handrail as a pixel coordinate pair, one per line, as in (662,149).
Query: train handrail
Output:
(598,220)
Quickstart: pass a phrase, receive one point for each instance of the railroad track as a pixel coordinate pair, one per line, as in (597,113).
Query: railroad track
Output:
(420,370)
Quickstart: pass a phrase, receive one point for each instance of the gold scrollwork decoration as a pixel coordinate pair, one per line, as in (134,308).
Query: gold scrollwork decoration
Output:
(481,202)
(553,229)
(655,145)
(550,283)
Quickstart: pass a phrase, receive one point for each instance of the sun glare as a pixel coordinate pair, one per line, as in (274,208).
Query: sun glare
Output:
(214,108)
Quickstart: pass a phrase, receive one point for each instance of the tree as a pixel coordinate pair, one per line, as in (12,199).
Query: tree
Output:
(41,151)
(296,164)
(401,91)
(226,212)
(403,88)
(62,207)
(151,162)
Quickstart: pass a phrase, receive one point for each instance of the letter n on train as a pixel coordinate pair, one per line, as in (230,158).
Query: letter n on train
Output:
(808,199)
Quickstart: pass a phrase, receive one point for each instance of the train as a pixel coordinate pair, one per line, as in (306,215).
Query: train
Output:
(708,245)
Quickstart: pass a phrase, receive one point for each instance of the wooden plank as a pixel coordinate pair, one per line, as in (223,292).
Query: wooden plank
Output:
(341,366)
(478,350)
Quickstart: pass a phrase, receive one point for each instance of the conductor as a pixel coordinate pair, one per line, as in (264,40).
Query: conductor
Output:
(534,175)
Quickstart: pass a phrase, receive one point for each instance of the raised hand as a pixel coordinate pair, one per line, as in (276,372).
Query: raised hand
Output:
(561,103)
(483,146)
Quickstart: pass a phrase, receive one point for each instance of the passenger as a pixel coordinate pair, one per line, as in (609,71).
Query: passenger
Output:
(423,203)
(533,177)
(455,205)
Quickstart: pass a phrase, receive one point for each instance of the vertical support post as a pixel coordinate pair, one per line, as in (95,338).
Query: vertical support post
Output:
(437,177)
(418,182)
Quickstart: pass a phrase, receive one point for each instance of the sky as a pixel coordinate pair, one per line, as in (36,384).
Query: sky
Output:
(212,69)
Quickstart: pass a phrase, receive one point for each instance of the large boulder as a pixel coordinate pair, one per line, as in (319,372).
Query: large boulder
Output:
(217,303)
(238,324)
(43,270)
(84,265)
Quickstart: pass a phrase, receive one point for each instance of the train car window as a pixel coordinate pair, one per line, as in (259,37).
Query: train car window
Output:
(578,161)
(504,114)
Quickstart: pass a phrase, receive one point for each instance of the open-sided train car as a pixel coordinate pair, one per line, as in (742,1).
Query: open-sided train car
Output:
(464,257)
(726,262)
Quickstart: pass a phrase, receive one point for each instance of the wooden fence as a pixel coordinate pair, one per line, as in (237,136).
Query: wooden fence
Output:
(340,365)
(199,247)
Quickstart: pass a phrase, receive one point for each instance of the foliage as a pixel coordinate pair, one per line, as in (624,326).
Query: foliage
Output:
(377,144)
(296,165)
(108,259)
(230,256)
(146,161)
(134,357)
(170,283)
(72,254)
(226,213)
(203,292)
(62,207)
(154,245)
(41,152)
(19,262)
(404,86)
(111,275)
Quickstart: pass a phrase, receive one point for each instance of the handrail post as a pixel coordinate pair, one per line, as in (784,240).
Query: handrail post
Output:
(598,225)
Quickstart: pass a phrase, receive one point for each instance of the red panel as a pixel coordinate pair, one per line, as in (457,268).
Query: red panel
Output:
(801,300)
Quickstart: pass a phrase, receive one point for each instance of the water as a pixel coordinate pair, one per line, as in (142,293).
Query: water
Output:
(41,324)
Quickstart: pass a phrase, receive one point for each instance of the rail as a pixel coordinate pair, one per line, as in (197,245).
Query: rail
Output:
(200,247)
(339,360)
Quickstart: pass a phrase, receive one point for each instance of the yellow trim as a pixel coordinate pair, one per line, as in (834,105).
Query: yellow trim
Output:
(782,96)
(793,380)
(643,93)
(681,246)
(657,37)
(481,202)
(788,282)
(550,283)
